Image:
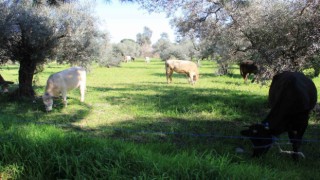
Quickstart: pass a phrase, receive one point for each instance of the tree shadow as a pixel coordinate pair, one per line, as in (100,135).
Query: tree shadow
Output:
(191,100)
(174,102)
(185,134)
(184,117)
(183,125)
(33,111)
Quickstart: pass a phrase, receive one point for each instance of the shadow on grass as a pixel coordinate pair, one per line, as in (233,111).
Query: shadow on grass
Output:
(177,132)
(33,111)
(237,108)
(178,100)
(183,133)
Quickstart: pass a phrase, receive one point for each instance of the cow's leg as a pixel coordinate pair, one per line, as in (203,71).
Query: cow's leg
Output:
(82,90)
(64,97)
(189,78)
(295,138)
(169,75)
(254,78)
(295,135)
(246,77)
(191,75)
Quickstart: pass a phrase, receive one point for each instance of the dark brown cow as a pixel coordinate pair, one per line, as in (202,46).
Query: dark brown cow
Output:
(248,67)
(4,84)
(291,96)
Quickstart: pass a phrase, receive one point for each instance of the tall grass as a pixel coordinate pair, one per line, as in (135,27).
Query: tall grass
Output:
(135,126)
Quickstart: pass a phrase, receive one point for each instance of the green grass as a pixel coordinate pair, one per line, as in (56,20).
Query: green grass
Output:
(133,125)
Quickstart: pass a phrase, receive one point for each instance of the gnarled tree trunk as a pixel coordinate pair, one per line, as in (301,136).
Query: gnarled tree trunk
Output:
(26,73)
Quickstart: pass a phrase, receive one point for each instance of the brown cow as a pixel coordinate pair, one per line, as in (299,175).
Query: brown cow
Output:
(291,96)
(184,67)
(4,84)
(248,67)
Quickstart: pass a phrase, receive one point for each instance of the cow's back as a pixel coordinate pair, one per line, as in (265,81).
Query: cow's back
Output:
(182,66)
(67,79)
(73,77)
(248,66)
(291,95)
(293,87)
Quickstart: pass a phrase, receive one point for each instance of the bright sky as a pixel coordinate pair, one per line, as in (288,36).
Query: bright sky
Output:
(126,20)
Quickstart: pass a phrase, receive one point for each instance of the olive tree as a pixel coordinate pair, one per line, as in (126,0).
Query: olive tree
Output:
(34,35)
(129,47)
(163,44)
(281,35)
(144,40)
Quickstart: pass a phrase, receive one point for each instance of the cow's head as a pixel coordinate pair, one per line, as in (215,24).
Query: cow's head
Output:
(48,101)
(261,138)
(196,77)
(5,88)
(193,77)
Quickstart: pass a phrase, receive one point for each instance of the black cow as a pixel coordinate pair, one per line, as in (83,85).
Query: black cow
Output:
(291,96)
(248,67)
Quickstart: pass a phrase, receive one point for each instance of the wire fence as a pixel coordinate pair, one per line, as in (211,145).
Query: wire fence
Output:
(190,134)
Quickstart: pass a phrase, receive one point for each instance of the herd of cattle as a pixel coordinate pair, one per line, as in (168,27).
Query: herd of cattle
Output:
(291,97)
(127,59)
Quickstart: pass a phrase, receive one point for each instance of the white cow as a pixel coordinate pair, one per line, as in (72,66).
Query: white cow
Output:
(62,82)
(184,67)
(128,58)
(147,59)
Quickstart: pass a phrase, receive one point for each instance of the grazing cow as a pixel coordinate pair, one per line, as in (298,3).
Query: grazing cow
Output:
(184,67)
(248,67)
(62,82)
(147,59)
(128,58)
(291,96)
(4,84)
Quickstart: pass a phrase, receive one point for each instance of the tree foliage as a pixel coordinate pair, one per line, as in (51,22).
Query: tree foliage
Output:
(184,49)
(129,47)
(280,35)
(162,47)
(144,40)
(34,35)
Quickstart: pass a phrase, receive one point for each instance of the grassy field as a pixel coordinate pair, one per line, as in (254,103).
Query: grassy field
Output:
(133,125)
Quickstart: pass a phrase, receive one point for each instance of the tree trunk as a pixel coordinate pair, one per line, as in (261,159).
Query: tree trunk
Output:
(316,71)
(26,72)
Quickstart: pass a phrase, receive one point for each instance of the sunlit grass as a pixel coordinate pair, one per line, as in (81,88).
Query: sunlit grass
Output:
(135,125)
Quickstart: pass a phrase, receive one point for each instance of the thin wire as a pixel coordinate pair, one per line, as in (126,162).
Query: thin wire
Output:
(176,133)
